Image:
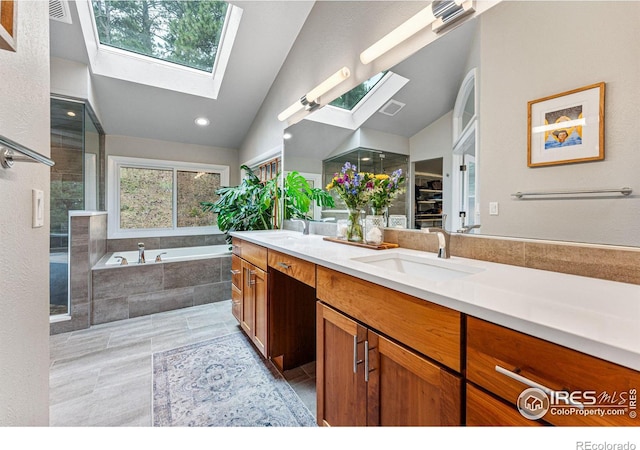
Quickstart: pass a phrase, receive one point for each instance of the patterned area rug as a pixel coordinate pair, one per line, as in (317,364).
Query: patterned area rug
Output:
(223,382)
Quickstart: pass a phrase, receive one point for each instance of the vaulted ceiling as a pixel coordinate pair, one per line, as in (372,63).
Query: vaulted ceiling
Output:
(267,32)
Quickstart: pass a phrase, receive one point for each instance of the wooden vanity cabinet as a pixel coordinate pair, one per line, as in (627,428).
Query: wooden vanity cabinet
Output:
(530,359)
(250,295)
(368,369)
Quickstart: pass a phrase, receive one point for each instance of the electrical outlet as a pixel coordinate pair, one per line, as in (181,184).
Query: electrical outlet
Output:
(493,208)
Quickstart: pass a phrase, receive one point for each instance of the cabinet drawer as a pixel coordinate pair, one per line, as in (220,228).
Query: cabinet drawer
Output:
(253,253)
(591,381)
(299,269)
(487,411)
(430,329)
(236,271)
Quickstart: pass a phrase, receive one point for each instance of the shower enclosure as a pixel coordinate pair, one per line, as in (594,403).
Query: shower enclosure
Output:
(77,183)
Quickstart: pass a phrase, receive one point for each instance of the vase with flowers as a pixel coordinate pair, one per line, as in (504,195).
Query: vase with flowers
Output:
(354,188)
(385,189)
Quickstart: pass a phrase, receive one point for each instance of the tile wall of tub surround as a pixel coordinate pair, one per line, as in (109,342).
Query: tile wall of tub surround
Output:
(123,292)
(88,243)
(590,260)
(151,243)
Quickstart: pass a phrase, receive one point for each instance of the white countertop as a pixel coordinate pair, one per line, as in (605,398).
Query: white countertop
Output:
(597,317)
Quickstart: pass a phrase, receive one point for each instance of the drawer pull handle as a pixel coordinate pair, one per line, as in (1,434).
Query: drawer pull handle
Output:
(533,384)
(355,354)
(284,265)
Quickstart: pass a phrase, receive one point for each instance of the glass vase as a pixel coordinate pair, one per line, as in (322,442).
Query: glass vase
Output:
(354,227)
(374,229)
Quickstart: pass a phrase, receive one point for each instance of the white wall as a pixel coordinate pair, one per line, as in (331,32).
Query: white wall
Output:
(72,79)
(173,151)
(24,253)
(531,50)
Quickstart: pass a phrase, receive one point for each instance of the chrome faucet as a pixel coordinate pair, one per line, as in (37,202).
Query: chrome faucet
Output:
(159,256)
(467,228)
(305,225)
(443,238)
(141,253)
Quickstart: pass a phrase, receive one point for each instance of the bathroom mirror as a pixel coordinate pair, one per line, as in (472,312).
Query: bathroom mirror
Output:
(523,51)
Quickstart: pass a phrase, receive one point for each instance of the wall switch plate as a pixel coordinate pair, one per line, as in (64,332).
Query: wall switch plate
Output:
(37,208)
(493,208)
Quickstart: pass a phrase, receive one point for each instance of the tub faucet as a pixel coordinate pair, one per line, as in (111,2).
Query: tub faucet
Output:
(123,260)
(141,253)
(159,257)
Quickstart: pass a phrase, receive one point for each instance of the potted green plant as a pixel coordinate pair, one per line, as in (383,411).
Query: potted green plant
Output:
(252,205)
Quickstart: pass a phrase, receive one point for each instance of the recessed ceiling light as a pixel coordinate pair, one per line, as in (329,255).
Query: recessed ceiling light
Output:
(287,136)
(366,159)
(71,114)
(202,121)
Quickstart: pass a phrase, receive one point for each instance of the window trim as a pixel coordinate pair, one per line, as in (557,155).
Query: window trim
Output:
(114,163)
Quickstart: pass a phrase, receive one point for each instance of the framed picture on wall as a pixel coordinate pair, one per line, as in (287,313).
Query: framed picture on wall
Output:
(8,23)
(567,128)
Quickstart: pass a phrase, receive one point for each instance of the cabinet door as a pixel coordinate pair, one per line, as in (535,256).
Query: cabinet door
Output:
(236,287)
(406,389)
(341,389)
(247,300)
(258,282)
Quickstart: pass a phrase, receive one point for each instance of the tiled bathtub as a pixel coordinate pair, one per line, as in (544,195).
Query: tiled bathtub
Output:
(121,292)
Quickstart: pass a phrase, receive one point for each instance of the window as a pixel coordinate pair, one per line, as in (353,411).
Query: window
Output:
(186,33)
(155,43)
(350,99)
(268,170)
(153,197)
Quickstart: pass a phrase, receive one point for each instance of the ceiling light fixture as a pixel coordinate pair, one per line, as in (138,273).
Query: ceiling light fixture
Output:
(286,136)
(202,121)
(310,100)
(437,10)
(71,114)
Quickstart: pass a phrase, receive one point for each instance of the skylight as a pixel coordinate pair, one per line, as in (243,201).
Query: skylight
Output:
(350,99)
(182,32)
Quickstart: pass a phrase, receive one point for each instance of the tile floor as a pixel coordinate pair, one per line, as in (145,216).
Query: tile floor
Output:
(102,376)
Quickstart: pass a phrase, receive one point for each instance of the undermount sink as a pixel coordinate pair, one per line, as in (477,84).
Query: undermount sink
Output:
(423,267)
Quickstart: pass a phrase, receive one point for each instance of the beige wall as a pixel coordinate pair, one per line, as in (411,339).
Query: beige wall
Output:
(531,50)
(173,151)
(24,253)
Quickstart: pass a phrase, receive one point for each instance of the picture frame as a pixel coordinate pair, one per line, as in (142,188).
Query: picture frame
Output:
(8,24)
(566,128)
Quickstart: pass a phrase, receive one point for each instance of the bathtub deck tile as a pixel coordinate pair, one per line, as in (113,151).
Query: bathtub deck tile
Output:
(191,273)
(123,281)
(210,293)
(109,310)
(155,302)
